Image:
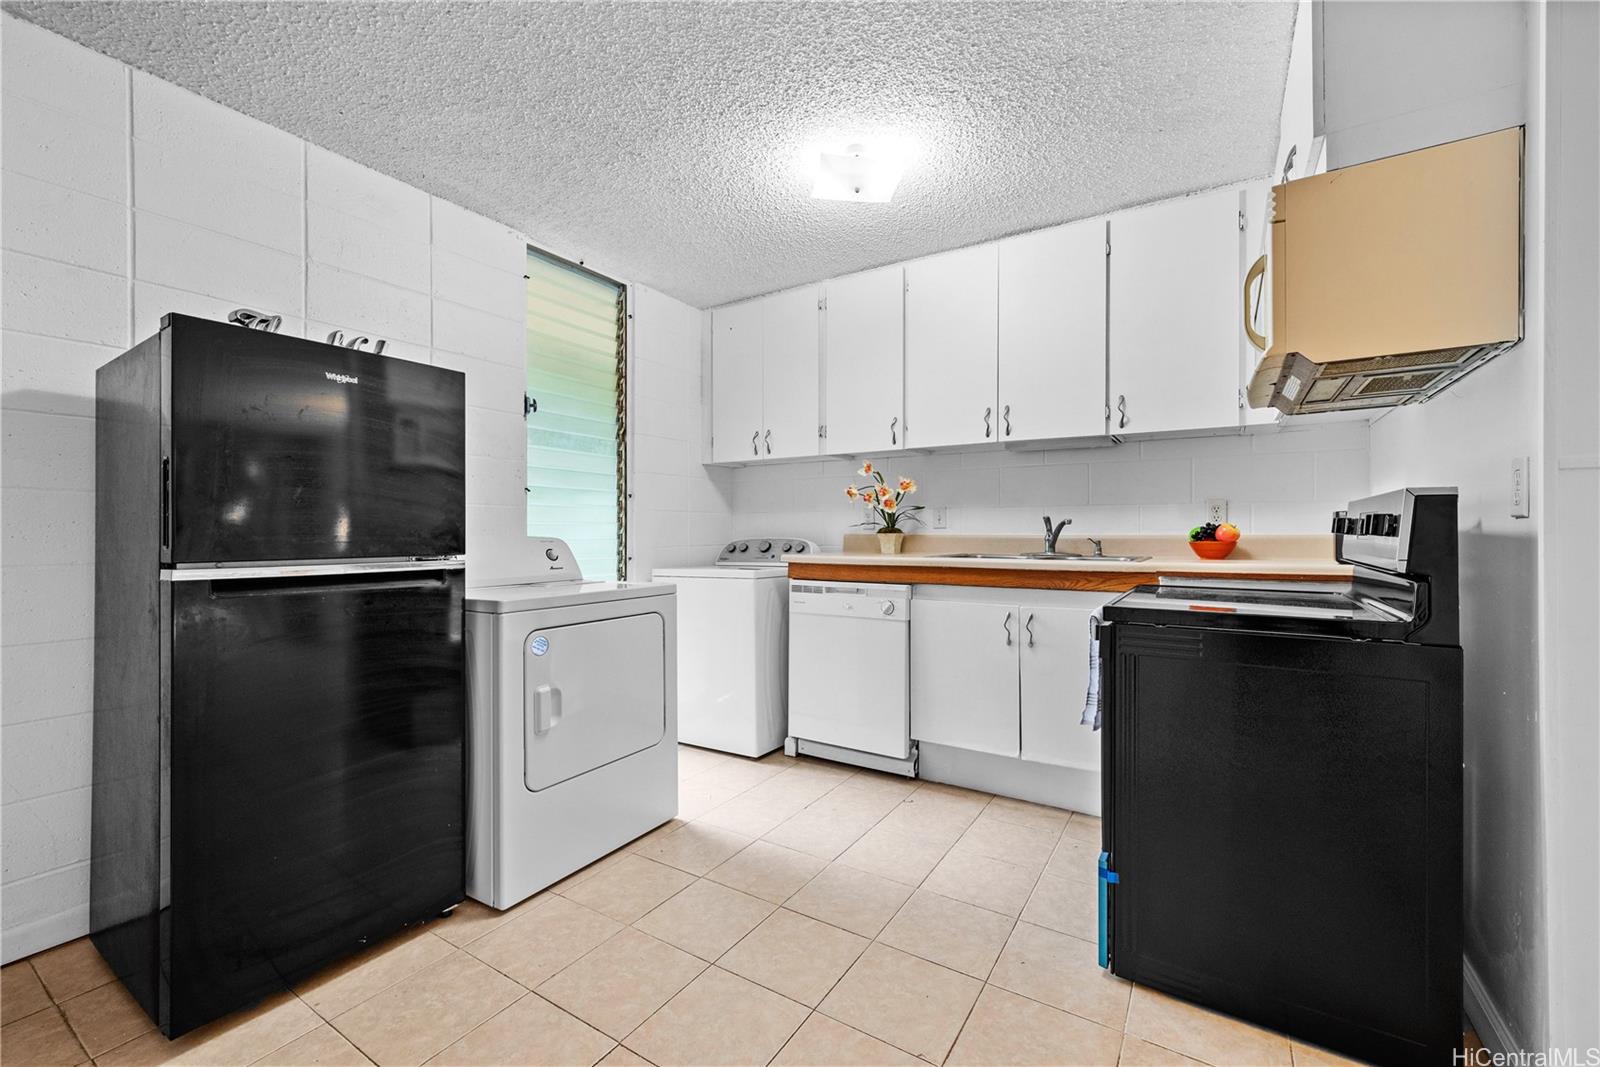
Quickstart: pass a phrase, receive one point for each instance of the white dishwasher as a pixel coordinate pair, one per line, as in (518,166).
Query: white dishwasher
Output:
(849,674)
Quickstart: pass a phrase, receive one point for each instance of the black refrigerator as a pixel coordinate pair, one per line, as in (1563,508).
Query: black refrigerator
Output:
(279,685)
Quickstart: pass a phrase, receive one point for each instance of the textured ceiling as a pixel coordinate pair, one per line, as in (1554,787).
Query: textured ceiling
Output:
(663,140)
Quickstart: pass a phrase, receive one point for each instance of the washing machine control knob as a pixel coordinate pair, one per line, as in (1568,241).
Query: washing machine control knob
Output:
(551,554)
(888,607)
(744,546)
(765,546)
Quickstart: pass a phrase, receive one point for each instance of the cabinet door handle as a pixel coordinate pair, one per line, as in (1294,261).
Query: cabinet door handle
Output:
(1122,411)
(1028,626)
(893,438)
(1006,415)
(767,440)
(987,412)
(1007,626)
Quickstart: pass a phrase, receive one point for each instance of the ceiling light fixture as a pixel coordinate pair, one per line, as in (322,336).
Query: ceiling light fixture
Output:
(857,172)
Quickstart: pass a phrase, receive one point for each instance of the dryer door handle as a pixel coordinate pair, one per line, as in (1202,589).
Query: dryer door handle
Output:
(544,711)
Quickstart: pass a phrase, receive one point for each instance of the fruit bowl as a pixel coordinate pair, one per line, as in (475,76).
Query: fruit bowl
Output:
(1213,549)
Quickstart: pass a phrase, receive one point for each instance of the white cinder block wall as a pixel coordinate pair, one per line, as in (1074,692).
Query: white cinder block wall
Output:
(124,198)
(1276,481)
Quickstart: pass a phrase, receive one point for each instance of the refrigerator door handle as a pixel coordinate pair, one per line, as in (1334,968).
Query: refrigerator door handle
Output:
(301,570)
(298,586)
(166,502)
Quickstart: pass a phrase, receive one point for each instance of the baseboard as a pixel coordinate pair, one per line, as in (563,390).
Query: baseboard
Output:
(1484,1015)
(22,941)
(1074,788)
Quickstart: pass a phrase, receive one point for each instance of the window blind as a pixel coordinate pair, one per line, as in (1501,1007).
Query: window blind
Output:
(576,377)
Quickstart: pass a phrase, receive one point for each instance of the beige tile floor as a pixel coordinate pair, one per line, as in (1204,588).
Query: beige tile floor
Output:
(797,912)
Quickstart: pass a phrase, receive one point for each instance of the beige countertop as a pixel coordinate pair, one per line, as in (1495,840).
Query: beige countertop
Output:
(1287,556)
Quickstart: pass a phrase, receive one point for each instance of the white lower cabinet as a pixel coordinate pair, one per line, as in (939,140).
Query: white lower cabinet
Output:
(1004,672)
(964,680)
(1055,679)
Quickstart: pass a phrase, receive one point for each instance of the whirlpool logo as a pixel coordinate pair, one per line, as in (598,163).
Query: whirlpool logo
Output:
(342,379)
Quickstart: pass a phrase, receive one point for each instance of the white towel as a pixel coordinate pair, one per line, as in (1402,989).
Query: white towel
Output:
(1091,698)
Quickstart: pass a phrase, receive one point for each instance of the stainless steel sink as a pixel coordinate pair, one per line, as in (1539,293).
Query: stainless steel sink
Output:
(1040,555)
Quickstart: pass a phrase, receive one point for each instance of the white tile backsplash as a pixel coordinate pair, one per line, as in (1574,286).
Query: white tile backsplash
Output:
(358,304)
(1275,480)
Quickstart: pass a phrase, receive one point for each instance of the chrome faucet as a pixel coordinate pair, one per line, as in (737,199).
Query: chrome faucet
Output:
(1099,549)
(1052,534)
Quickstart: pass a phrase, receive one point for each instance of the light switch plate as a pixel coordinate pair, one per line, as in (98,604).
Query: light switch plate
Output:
(1520,490)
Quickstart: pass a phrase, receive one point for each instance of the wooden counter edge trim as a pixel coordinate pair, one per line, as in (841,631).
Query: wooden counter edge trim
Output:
(1002,578)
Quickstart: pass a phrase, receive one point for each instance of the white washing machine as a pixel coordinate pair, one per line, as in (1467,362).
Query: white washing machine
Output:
(572,745)
(733,647)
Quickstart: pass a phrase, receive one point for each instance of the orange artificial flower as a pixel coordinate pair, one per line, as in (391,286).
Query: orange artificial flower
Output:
(850,491)
(907,485)
(889,504)
(866,469)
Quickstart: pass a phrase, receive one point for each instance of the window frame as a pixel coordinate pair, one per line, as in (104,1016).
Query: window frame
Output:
(624,399)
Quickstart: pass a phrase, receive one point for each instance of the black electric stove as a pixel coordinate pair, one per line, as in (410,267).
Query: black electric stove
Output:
(1282,790)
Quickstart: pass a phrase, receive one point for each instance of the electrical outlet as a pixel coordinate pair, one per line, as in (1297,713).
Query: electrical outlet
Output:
(941,517)
(1216,510)
(1519,488)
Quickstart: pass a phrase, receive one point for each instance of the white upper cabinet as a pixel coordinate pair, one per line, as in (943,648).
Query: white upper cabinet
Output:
(789,372)
(951,308)
(736,416)
(1175,315)
(864,362)
(1052,329)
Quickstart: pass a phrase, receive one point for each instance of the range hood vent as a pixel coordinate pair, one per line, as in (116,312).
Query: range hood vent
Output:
(1393,279)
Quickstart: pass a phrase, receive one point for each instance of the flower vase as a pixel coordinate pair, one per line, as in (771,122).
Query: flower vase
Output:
(889,543)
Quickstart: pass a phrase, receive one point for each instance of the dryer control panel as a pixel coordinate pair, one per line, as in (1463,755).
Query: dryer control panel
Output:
(550,560)
(756,551)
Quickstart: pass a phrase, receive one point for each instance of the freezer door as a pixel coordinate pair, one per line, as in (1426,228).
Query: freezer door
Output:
(593,692)
(317,731)
(286,449)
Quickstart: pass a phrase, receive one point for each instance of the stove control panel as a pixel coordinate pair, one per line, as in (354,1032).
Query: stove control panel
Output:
(759,550)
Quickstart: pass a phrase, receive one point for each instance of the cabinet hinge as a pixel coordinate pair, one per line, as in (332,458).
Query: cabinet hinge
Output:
(1108,411)
(1241,221)
(1241,399)
(822,431)
(822,303)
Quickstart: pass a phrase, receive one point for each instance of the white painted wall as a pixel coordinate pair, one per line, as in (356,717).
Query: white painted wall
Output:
(1396,75)
(1400,77)
(1277,481)
(125,197)
(1569,515)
